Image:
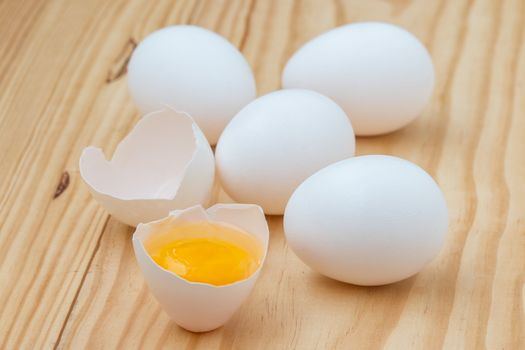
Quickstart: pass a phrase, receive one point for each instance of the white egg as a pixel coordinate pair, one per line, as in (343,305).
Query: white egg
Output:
(368,220)
(380,74)
(276,142)
(193,70)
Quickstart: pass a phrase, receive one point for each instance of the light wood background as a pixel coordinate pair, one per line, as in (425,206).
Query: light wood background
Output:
(68,275)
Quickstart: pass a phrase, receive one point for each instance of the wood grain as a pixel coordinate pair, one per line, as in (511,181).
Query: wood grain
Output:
(68,275)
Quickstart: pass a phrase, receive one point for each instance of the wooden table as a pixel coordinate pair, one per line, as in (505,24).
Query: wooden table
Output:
(68,275)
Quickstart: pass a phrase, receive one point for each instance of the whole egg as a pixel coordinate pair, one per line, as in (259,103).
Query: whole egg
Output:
(379,73)
(193,70)
(367,220)
(276,142)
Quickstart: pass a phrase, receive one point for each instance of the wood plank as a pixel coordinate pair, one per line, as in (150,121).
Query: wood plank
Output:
(51,104)
(70,270)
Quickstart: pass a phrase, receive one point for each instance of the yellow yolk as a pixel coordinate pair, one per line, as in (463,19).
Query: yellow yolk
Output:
(209,260)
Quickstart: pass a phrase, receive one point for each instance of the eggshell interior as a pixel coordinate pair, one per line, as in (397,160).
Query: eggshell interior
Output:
(164,163)
(200,307)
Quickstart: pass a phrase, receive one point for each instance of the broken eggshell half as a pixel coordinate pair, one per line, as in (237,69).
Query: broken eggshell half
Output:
(165,163)
(196,306)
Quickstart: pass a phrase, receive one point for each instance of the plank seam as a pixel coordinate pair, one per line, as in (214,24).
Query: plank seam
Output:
(77,293)
(247,25)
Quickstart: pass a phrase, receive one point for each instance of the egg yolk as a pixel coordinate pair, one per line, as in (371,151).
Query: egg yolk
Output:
(209,260)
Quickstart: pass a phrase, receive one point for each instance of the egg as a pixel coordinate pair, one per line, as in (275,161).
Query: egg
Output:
(208,299)
(379,73)
(193,70)
(206,252)
(276,142)
(367,220)
(164,163)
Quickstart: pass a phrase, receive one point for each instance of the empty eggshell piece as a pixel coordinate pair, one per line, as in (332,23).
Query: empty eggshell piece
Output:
(196,306)
(165,163)
(368,220)
(276,142)
(379,73)
(194,70)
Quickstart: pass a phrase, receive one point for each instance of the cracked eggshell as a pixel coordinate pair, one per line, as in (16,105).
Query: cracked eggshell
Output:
(192,69)
(165,163)
(200,307)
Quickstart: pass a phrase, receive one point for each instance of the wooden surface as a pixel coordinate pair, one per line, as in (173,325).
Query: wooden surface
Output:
(68,275)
